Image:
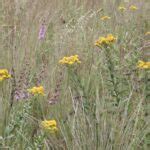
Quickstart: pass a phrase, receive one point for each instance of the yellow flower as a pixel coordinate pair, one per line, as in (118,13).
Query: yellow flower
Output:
(1,79)
(36,90)
(49,125)
(110,38)
(147,33)
(143,65)
(70,60)
(133,7)
(105,41)
(4,74)
(121,8)
(105,18)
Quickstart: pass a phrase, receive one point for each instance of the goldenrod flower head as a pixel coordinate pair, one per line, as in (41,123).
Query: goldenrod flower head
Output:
(105,41)
(49,125)
(110,38)
(36,90)
(4,74)
(105,18)
(70,60)
(133,7)
(121,8)
(143,65)
(101,41)
(147,33)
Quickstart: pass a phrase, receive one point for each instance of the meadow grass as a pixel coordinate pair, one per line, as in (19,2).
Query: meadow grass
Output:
(100,101)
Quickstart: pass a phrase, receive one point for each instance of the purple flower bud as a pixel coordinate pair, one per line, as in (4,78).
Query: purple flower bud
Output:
(42,32)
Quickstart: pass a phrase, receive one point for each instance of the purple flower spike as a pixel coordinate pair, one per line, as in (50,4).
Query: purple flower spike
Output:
(20,95)
(42,32)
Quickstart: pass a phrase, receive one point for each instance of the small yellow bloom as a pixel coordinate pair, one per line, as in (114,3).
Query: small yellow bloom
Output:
(133,7)
(105,18)
(4,74)
(143,65)
(36,90)
(121,8)
(147,33)
(105,41)
(1,79)
(110,38)
(50,125)
(70,60)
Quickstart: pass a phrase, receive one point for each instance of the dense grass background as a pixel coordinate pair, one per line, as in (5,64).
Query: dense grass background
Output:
(84,104)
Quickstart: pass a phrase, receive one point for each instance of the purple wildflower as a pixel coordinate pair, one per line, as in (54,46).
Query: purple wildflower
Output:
(20,95)
(42,32)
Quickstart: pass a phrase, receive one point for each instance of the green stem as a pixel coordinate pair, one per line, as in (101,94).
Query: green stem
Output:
(112,76)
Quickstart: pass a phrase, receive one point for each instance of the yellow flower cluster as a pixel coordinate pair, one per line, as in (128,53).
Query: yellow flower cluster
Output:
(133,7)
(121,8)
(147,33)
(105,41)
(70,60)
(143,65)
(105,18)
(37,90)
(4,74)
(50,125)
